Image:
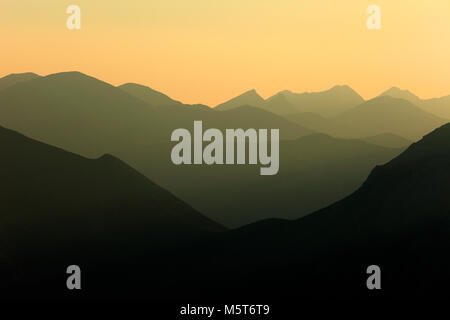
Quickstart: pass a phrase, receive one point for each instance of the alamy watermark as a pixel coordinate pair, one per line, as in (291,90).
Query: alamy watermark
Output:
(74,280)
(74,20)
(235,140)
(374,20)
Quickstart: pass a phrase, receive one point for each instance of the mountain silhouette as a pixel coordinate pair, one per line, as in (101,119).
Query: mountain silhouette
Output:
(388,140)
(326,103)
(59,208)
(398,93)
(437,106)
(32,169)
(14,78)
(315,171)
(90,117)
(380,115)
(398,219)
(78,113)
(357,200)
(251,98)
(279,104)
(149,95)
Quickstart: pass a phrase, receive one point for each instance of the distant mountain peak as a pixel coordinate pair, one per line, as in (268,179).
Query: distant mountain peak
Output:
(395,89)
(346,91)
(396,92)
(24,74)
(251,93)
(74,77)
(389,98)
(13,78)
(341,87)
(250,97)
(283,92)
(330,102)
(278,97)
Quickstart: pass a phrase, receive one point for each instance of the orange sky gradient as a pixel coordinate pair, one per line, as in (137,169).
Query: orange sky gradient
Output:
(207,51)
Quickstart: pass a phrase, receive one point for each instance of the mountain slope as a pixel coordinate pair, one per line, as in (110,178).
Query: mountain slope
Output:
(90,117)
(315,171)
(78,113)
(279,104)
(149,95)
(58,208)
(14,78)
(387,114)
(380,115)
(399,220)
(34,171)
(437,106)
(398,93)
(388,140)
(251,98)
(326,103)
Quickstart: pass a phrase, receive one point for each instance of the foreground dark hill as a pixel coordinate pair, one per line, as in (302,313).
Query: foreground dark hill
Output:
(380,115)
(315,171)
(399,220)
(58,209)
(34,171)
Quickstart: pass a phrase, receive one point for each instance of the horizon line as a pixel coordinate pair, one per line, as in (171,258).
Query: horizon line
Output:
(234,96)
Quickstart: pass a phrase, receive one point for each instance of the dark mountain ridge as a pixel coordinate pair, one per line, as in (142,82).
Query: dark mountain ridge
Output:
(399,220)
(59,208)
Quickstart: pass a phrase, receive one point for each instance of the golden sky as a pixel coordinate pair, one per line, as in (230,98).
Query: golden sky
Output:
(207,51)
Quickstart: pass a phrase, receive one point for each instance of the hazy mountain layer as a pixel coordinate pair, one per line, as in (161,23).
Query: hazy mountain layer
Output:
(398,220)
(251,98)
(149,95)
(437,106)
(58,209)
(388,140)
(90,117)
(315,171)
(326,103)
(376,116)
(12,79)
